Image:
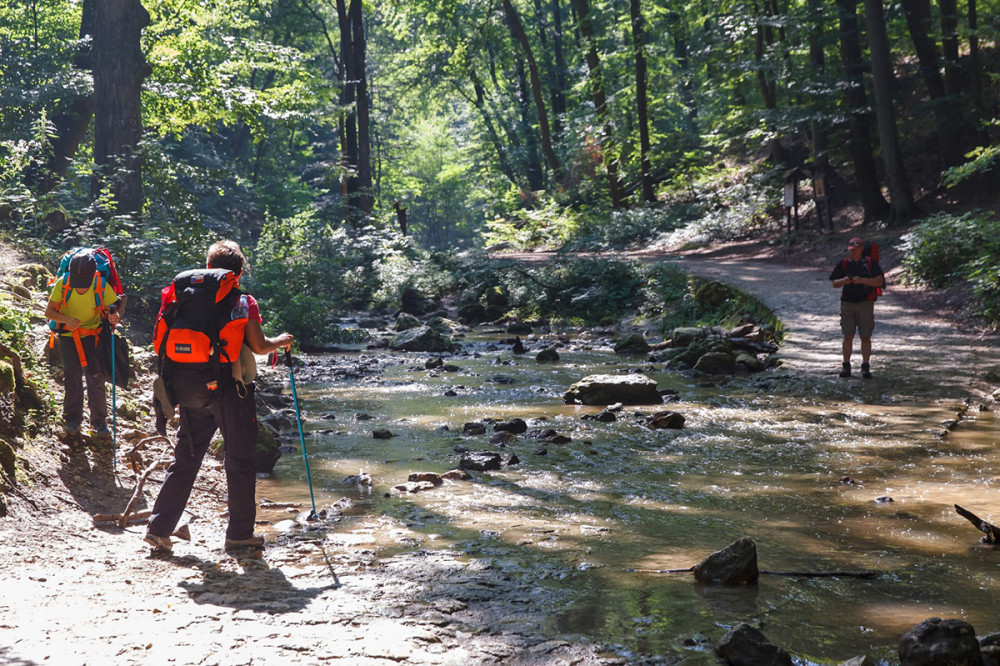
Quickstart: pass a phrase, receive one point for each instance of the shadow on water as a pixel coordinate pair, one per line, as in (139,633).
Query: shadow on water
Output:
(762,457)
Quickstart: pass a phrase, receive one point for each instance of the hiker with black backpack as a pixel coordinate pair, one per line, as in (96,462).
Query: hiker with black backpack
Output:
(860,279)
(205,322)
(85,292)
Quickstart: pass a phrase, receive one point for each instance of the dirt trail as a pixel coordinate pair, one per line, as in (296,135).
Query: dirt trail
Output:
(72,594)
(912,346)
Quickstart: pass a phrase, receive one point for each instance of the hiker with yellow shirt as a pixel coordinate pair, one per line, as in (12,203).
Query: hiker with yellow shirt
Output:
(77,304)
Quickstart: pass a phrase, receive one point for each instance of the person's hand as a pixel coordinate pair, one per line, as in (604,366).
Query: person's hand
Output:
(72,323)
(114,318)
(285,340)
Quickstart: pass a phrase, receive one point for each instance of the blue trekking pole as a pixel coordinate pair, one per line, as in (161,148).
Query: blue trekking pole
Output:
(114,401)
(302,441)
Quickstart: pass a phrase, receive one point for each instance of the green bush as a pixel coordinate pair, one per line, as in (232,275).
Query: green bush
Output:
(941,249)
(945,250)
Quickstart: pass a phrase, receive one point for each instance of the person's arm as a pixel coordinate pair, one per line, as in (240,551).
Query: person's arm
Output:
(52,312)
(258,343)
(837,278)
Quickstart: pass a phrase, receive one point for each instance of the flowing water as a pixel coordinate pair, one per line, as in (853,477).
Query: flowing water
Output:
(757,457)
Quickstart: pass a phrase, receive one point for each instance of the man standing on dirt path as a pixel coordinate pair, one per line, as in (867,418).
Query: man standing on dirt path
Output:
(859,277)
(230,409)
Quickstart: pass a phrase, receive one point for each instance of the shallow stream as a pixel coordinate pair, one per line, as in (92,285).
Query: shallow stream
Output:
(758,457)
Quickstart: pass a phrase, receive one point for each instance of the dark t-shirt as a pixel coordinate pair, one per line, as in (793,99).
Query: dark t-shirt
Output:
(866,268)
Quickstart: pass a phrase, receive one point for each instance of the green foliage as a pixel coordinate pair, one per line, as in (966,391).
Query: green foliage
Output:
(944,250)
(306,271)
(983,161)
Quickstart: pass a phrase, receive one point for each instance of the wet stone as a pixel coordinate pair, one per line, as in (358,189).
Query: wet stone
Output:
(428,477)
(746,646)
(480,461)
(515,426)
(936,641)
(474,428)
(382,434)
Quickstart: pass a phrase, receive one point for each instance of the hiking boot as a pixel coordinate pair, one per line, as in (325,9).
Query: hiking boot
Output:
(255,541)
(159,544)
(866,371)
(846,371)
(103,433)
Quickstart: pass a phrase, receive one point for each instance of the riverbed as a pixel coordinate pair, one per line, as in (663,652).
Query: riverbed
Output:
(823,474)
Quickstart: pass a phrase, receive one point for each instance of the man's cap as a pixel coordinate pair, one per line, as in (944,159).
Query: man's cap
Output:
(855,241)
(81,270)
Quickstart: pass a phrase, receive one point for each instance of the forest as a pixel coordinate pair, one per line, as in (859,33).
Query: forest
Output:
(360,149)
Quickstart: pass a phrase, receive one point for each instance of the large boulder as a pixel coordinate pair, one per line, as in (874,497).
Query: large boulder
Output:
(634,389)
(632,344)
(716,363)
(495,304)
(746,646)
(733,565)
(415,302)
(421,339)
(937,642)
(405,321)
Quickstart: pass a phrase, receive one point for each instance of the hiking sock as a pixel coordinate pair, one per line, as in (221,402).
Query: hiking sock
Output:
(846,371)
(866,371)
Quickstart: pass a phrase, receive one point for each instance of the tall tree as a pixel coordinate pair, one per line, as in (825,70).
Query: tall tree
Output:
(764,43)
(517,29)
(596,76)
(903,207)
(641,101)
(119,69)
(859,115)
(918,18)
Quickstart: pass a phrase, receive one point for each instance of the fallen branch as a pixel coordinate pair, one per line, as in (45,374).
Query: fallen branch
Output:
(115,519)
(823,574)
(793,574)
(138,490)
(991,531)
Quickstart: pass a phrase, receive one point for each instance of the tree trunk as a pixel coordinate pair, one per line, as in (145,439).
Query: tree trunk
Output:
(517,29)
(536,175)
(641,102)
(559,70)
(480,103)
(918,18)
(679,35)
(902,207)
(817,57)
(360,75)
(764,38)
(949,44)
(975,68)
(600,103)
(859,118)
(119,69)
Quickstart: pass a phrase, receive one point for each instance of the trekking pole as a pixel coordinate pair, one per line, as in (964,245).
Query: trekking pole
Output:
(302,441)
(114,401)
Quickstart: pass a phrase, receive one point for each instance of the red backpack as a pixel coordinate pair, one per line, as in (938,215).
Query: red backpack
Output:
(869,254)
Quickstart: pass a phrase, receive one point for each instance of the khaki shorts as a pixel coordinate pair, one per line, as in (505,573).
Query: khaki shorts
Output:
(858,317)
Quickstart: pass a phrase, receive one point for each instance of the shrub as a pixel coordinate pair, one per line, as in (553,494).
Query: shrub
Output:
(945,250)
(941,250)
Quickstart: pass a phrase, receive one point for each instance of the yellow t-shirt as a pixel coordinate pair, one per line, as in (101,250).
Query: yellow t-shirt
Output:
(82,306)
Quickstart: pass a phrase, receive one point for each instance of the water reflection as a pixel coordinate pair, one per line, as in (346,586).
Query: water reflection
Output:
(753,459)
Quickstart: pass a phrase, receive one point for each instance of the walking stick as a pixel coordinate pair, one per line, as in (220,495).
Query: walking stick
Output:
(114,401)
(302,441)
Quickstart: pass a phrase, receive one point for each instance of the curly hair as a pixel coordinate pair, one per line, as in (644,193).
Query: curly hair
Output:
(227,254)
